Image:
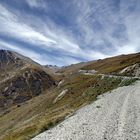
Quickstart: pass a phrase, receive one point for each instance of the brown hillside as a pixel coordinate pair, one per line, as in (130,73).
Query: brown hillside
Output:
(20,80)
(113,64)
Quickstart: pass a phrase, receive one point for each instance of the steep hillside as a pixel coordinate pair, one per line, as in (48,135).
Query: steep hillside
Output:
(23,117)
(114,64)
(109,65)
(47,110)
(20,79)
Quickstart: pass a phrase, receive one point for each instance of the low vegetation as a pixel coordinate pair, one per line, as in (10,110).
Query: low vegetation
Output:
(128,82)
(43,113)
(24,120)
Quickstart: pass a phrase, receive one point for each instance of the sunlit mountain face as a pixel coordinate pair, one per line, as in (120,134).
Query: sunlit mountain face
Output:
(62,32)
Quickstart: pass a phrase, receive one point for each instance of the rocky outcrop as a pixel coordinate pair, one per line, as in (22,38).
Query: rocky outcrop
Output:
(28,84)
(60,96)
(133,70)
(20,80)
(8,58)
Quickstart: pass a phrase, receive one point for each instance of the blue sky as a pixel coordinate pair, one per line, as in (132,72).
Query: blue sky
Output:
(63,32)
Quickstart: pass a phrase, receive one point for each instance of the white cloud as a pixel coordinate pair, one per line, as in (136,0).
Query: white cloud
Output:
(109,20)
(36,3)
(40,58)
(14,28)
(95,21)
(11,26)
(26,52)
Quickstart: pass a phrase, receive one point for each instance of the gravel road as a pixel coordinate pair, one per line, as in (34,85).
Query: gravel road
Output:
(114,116)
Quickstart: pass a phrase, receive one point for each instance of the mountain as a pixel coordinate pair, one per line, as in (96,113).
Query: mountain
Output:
(34,98)
(52,69)
(112,65)
(66,70)
(115,65)
(20,79)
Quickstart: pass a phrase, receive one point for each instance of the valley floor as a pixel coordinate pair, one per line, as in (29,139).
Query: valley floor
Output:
(114,116)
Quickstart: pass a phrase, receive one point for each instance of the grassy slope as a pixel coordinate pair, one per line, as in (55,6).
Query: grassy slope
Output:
(39,114)
(114,64)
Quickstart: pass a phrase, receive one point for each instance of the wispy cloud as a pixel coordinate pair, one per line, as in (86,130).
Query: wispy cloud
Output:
(36,3)
(108,23)
(26,52)
(11,26)
(71,31)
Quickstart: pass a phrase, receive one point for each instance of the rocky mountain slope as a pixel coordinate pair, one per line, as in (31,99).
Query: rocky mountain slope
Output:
(27,112)
(20,79)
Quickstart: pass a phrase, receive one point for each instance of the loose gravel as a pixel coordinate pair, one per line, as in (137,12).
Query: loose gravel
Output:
(114,116)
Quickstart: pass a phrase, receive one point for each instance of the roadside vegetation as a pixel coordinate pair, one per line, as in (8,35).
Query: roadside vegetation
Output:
(41,113)
(24,120)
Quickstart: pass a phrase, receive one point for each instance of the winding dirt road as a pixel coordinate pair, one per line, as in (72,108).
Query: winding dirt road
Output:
(114,116)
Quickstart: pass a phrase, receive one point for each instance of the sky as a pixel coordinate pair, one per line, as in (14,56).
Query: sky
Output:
(63,32)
